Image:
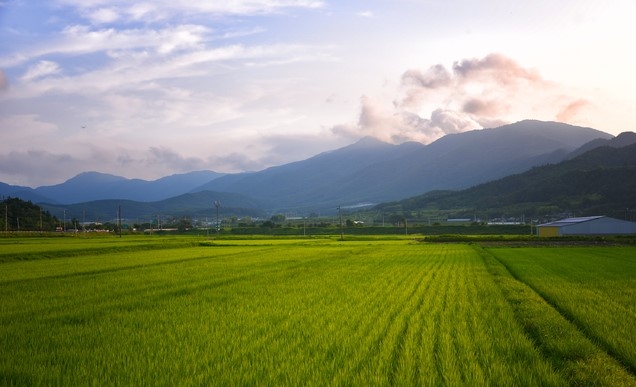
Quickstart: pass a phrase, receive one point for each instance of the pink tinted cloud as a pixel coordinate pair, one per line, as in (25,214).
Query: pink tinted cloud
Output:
(418,83)
(495,68)
(401,125)
(476,93)
(572,110)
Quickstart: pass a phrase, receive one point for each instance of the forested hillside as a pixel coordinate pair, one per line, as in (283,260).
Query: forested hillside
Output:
(20,215)
(599,182)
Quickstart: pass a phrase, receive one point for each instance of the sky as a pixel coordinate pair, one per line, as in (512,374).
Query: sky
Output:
(146,89)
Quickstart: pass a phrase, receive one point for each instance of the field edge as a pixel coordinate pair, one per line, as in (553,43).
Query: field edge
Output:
(569,350)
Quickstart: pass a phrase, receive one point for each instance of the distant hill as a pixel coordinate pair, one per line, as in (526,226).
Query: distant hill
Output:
(365,173)
(199,204)
(371,171)
(91,186)
(25,193)
(622,140)
(601,181)
(315,182)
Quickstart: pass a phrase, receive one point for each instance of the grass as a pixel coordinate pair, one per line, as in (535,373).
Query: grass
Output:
(35,248)
(312,311)
(593,287)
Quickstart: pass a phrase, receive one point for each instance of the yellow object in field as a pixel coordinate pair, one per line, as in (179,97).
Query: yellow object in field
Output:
(548,231)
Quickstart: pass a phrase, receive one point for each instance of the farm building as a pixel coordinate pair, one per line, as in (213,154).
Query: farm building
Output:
(590,225)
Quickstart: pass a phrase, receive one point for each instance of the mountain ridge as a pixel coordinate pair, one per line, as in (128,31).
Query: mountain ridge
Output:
(452,162)
(599,181)
(368,171)
(92,185)
(200,204)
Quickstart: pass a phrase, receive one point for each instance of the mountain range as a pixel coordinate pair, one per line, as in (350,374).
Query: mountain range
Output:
(371,171)
(364,173)
(595,180)
(199,204)
(91,186)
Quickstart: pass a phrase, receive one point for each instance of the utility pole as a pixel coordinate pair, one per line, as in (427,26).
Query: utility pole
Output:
(217,204)
(341,229)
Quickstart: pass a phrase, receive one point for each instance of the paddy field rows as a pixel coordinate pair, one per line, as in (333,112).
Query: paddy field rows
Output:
(374,311)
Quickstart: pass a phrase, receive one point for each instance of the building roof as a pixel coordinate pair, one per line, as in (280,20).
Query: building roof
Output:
(570,221)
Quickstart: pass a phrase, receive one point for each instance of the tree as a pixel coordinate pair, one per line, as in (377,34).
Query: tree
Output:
(268,224)
(25,216)
(278,218)
(184,224)
(397,219)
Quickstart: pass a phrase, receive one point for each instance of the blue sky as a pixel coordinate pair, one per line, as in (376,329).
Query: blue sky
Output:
(147,89)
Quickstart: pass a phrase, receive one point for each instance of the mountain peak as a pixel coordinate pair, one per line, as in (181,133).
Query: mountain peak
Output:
(623,139)
(91,176)
(89,186)
(369,141)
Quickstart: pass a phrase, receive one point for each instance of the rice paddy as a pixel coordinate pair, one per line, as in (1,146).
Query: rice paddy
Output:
(153,311)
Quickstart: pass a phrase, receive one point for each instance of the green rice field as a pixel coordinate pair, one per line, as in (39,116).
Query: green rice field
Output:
(372,311)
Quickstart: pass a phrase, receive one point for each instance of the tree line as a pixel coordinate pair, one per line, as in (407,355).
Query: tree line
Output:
(20,215)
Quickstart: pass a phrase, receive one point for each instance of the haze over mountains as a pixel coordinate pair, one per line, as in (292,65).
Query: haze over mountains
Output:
(369,171)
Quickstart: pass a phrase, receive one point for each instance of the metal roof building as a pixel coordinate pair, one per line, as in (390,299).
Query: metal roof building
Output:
(590,225)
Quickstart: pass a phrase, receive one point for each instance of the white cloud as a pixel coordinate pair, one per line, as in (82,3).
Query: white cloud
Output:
(41,69)
(367,14)
(144,11)
(80,39)
(103,16)
(247,6)
(134,69)
(161,9)
(182,37)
